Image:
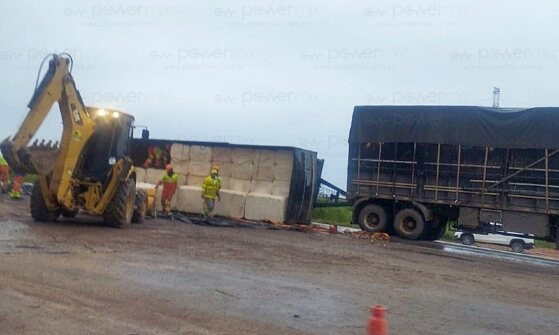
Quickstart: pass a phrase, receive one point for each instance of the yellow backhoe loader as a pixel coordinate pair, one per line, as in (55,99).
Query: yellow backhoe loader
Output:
(90,169)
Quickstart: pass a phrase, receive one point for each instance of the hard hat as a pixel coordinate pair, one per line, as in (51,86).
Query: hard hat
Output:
(213,171)
(168,167)
(215,167)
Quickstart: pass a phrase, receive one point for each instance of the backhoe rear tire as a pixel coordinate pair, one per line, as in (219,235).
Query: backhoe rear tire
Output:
(70,214)
(39,211)
(120,210)
(140,207)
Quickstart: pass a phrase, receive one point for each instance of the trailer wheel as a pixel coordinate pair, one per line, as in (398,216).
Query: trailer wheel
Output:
(409,224)
(437,231)
(517,246)
(372,218)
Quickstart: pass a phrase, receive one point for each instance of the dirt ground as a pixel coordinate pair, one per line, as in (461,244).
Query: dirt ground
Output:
(167,277)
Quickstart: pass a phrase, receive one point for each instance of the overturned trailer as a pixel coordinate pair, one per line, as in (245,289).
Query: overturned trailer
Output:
(412,168)
(261,183)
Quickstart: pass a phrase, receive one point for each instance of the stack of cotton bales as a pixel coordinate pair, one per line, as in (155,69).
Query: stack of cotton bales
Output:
(255,182)
(199,162)
(141,174)
(180,160)
(232,202)
(267,199)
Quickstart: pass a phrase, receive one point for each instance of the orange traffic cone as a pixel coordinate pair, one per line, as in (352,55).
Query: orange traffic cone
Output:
(377,323)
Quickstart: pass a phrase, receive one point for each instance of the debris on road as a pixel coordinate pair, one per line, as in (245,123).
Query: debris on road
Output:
(373,237)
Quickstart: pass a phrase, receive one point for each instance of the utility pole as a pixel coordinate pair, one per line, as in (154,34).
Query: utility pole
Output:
(496,97)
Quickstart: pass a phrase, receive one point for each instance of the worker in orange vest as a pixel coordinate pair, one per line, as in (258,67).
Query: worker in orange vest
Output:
(15,193)
(169,182)
(4,175)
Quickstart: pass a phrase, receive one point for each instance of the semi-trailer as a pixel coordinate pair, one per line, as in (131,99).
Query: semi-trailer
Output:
(411,169)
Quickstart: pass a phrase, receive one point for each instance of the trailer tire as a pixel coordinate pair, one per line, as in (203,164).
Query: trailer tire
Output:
(120,210)
(409,224)
(437,231)
(372,218)
(39,210)
(517,246)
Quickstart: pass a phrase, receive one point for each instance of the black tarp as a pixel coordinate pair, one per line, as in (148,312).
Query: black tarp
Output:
(514,128)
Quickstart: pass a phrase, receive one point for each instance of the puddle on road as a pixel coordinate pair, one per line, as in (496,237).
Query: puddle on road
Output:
(18,237)
(520,258)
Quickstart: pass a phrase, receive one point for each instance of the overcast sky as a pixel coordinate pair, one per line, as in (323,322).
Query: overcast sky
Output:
(279,72)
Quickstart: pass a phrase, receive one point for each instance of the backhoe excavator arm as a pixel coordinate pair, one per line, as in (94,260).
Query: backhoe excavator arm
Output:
(56,86)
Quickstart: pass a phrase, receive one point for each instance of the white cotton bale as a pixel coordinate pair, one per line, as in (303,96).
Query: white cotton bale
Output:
(158,206)
(200,153)
(261,187)
(259,207)
(221,155)
(153,176)
(145,186)
(284,158)
(224,168)
(192,180)
(225,182)
(140,174)
(281,188)
(189,199)
(243,155)
(198,168)
(266,157)
(265,172)
(180,166)
(240,185)
(231,204)
(182,179)
(282,172)
(246,170)
(176,152)
(185,152)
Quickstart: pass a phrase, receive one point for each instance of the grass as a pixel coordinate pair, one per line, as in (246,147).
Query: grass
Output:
(30,178)
(544,244)
(333,215)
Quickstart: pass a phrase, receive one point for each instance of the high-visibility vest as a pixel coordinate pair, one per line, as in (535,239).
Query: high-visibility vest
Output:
(210,187)
(169,179)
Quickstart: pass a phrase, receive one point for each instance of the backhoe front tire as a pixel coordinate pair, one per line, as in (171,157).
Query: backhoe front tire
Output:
(39,210)
(140,207)
(120,210)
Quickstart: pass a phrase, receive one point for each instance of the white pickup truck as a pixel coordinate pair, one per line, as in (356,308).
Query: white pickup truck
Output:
(517,244)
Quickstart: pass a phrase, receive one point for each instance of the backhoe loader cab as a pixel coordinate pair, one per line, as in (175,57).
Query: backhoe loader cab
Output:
(90,169)
(110,142)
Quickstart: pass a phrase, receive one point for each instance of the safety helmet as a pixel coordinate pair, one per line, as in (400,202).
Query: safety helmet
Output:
(215,167)
(168,168)
(213,171)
